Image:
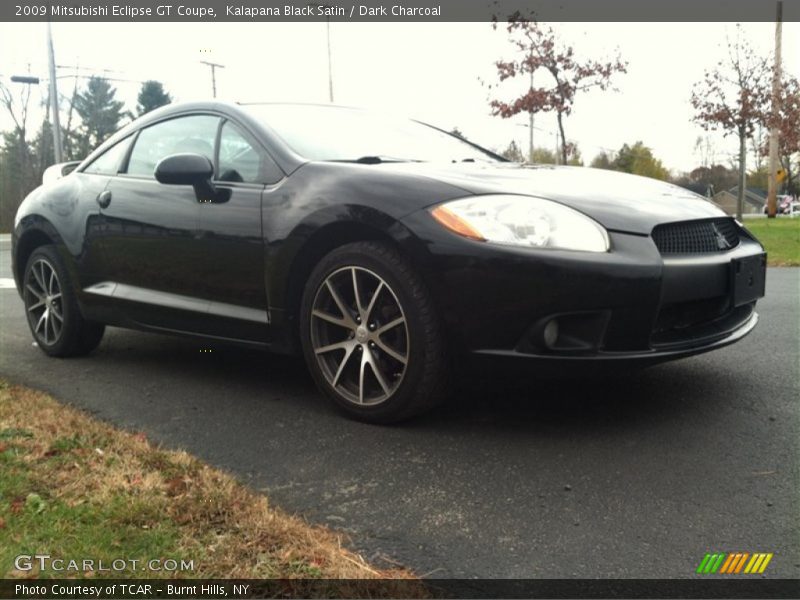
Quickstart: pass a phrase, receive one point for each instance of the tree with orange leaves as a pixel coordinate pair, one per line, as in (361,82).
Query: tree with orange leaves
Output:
(538,48)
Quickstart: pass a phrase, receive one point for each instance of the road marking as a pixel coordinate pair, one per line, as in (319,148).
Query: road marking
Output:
(7,283)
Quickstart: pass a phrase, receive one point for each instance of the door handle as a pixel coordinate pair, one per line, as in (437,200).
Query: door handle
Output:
(104,199)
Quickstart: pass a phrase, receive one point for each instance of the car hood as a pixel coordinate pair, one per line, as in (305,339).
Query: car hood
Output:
(618,201)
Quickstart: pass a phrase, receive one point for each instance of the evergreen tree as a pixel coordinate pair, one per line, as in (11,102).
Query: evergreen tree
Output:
(152,96)
(100,113)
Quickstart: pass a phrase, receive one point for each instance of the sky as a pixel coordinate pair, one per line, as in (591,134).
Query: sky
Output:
(434,72)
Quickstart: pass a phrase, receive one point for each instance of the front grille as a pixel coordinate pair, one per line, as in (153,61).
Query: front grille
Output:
(696,237)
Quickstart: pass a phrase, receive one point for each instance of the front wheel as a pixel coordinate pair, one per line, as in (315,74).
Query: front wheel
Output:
(52,310)
(371,335)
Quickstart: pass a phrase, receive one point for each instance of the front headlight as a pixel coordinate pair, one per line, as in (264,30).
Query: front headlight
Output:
(522,221)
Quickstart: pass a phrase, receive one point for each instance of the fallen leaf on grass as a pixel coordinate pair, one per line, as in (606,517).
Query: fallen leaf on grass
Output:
(35,503)
(177,485)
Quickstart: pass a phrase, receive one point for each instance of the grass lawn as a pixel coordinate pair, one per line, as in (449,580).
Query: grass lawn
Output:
(781,238)
(76,488)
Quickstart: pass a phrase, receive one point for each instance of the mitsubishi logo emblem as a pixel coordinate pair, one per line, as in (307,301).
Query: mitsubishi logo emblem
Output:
(722,241)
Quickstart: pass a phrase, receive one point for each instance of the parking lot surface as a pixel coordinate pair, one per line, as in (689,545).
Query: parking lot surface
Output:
(635,475)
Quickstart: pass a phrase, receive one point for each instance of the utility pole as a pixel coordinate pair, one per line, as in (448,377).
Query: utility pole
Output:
(214,67)
(328,34)
(558,154)
(330,69)
(57,148)
(530,127)
(774,131)
(742,173)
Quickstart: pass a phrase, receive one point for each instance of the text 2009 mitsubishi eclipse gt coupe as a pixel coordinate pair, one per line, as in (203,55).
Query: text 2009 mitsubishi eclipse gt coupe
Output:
(382,249)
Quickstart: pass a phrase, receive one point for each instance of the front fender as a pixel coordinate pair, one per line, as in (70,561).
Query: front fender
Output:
(63,213)
(293,257)
(30,231)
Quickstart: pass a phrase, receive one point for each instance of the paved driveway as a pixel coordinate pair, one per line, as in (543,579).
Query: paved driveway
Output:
(637,476)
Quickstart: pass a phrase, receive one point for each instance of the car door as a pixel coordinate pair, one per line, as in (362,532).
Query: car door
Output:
(151,252)
(90,184)
(230,235)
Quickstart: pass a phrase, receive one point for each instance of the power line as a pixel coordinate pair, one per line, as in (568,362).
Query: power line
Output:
(554,132)
(94,69)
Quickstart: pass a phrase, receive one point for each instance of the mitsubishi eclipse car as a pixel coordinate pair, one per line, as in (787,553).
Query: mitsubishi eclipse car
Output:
(383,250)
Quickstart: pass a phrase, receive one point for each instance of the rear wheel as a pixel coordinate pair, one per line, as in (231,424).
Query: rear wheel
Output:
(52,309)
(371,336)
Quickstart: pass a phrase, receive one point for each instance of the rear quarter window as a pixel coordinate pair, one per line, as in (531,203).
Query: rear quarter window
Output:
(108,163)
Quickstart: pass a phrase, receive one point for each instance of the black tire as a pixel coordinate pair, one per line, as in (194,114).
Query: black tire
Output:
(414,386)
(67,335)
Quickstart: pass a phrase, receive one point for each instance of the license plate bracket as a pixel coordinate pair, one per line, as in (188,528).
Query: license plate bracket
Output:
(748,278)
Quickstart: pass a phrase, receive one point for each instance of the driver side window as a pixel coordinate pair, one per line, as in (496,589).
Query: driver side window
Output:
(194,134)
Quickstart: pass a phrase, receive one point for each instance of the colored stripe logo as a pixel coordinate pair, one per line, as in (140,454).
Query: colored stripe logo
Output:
(734,563)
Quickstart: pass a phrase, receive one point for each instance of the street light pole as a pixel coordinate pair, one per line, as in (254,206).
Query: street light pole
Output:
(27,80)
(774,131)
(57,148)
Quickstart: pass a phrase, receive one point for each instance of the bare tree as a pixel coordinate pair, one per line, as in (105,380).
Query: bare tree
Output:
(17,107)
(15,153)
(733,97)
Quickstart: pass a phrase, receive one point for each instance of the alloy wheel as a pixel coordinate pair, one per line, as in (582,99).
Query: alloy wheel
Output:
(359,335)
(43,302)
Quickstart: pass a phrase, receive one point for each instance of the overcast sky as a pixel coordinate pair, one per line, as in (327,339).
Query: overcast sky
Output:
(429,71)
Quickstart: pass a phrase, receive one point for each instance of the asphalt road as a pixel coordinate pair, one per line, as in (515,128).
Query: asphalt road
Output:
(637,476)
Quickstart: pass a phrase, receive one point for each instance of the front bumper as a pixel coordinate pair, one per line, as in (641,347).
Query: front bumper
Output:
(628,305)
(646,358)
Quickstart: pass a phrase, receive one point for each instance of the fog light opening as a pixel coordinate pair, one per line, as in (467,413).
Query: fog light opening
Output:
(550,333)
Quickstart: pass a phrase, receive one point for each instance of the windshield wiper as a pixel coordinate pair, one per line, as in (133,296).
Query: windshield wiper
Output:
(376,160)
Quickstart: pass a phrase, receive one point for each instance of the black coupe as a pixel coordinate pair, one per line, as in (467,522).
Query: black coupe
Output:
(382,249)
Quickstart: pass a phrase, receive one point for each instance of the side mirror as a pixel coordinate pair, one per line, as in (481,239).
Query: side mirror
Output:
(189,169)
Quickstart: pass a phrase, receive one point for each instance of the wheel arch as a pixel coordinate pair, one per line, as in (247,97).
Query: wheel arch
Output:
(310,250)
(28,239)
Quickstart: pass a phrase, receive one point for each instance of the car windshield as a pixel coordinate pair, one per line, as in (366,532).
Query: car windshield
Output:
(347,134)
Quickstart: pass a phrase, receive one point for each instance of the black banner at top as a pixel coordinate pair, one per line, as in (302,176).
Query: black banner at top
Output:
(395,10)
